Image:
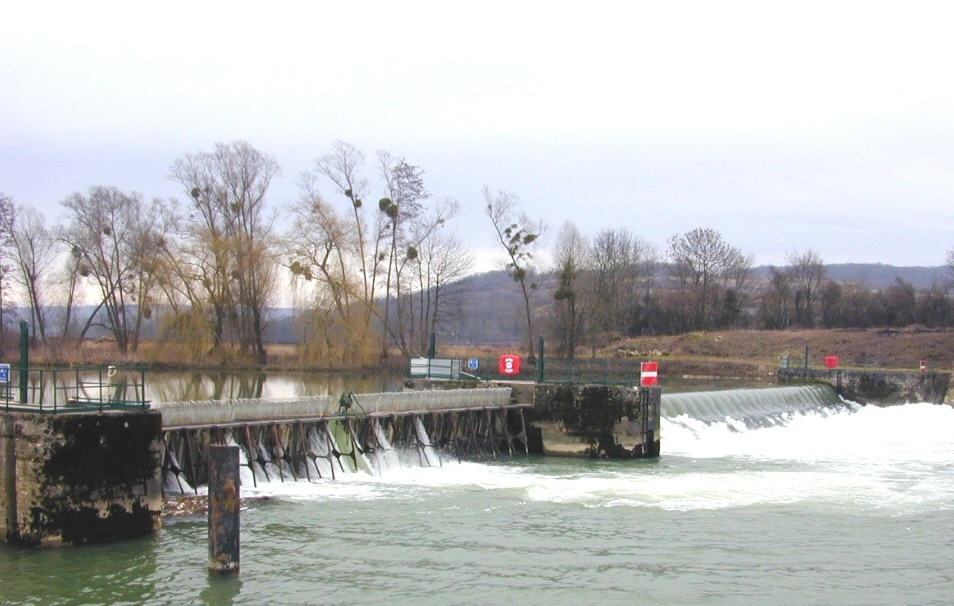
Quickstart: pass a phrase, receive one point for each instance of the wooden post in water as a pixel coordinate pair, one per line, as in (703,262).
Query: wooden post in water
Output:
(224,509)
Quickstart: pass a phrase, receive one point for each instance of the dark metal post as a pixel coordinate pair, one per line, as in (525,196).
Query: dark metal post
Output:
(432,349)
(540,361)
(650,402)
(224,509)
(24,360)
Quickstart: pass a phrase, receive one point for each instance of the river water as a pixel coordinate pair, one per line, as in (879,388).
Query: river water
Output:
(853,505)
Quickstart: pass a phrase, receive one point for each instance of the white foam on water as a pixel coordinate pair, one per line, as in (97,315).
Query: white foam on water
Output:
(891,459)
(865,434)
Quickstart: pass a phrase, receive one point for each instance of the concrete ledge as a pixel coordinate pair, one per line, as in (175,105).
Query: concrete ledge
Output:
(225,412)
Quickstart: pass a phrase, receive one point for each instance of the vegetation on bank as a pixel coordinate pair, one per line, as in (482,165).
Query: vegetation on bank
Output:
(197,283)
(729,353)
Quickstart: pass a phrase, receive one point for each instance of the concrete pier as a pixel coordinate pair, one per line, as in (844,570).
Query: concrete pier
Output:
(584,420)
(597,421)
(79,478)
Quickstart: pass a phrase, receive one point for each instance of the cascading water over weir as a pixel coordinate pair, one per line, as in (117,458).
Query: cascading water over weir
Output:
(318,437)
(752,407)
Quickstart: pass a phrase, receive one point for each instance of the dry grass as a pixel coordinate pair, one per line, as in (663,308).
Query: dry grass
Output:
(708,352)
(880,348)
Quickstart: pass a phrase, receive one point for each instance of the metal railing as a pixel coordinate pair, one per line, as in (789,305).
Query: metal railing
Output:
(545,370)
(77,389)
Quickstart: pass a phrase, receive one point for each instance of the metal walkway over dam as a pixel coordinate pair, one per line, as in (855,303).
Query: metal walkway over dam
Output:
(317,437)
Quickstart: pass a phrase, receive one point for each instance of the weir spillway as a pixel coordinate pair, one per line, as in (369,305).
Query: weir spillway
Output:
(317,437)
(754,407)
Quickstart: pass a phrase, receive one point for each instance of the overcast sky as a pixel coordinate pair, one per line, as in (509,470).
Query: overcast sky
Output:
(784,126)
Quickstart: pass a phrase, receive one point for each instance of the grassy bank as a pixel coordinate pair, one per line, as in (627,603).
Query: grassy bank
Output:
(724,353)
(874,348)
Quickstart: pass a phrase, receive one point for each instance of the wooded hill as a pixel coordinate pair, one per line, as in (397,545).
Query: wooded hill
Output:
(488,309)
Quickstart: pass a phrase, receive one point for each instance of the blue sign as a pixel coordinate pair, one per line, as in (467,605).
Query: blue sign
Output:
(473,364)
(4,373)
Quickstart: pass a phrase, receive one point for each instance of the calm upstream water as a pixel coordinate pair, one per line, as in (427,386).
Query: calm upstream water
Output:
(833,506)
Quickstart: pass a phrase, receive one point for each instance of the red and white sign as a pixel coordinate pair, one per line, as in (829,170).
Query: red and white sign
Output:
(648,374)
(509,365)
(923,366)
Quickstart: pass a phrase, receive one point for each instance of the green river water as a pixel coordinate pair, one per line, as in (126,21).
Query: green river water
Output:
(853,505)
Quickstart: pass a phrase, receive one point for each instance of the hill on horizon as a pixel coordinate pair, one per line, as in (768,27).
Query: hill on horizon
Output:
(491,307)
(488,309)
(879,275)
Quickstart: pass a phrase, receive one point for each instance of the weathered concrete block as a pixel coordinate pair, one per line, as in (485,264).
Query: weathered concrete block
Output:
(77,478)
(603,421)
(876,387)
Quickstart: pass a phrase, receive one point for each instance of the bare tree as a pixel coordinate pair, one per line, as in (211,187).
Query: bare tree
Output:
(230,234)
(570,259)
(702,262)
(324,252)
(807,272)
(106,232)
(342,166)
(348,260)
(402,206)
(7,256)
(775,310)
(950,263)
(443,262)
(619,263)
(435,257)
(518,236)
(898,304)
(35,255)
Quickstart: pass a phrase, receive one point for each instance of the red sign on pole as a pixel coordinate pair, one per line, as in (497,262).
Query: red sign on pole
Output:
(509,365)
(831,362)
(648,374)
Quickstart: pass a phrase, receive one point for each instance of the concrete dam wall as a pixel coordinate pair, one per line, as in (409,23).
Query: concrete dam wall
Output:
(876,387)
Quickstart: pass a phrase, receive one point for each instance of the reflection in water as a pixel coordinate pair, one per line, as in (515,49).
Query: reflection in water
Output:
(66,386)
(222,589)
(171,386)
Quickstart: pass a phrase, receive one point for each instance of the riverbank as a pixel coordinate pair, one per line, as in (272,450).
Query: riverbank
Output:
(759,352)
(732,353)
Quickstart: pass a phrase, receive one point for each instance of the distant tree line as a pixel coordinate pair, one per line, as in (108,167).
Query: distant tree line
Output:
(617,285)
(365,276)
(368,277)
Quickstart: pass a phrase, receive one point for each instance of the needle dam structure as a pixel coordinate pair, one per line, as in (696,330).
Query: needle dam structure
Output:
(100,472)
(319,437)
